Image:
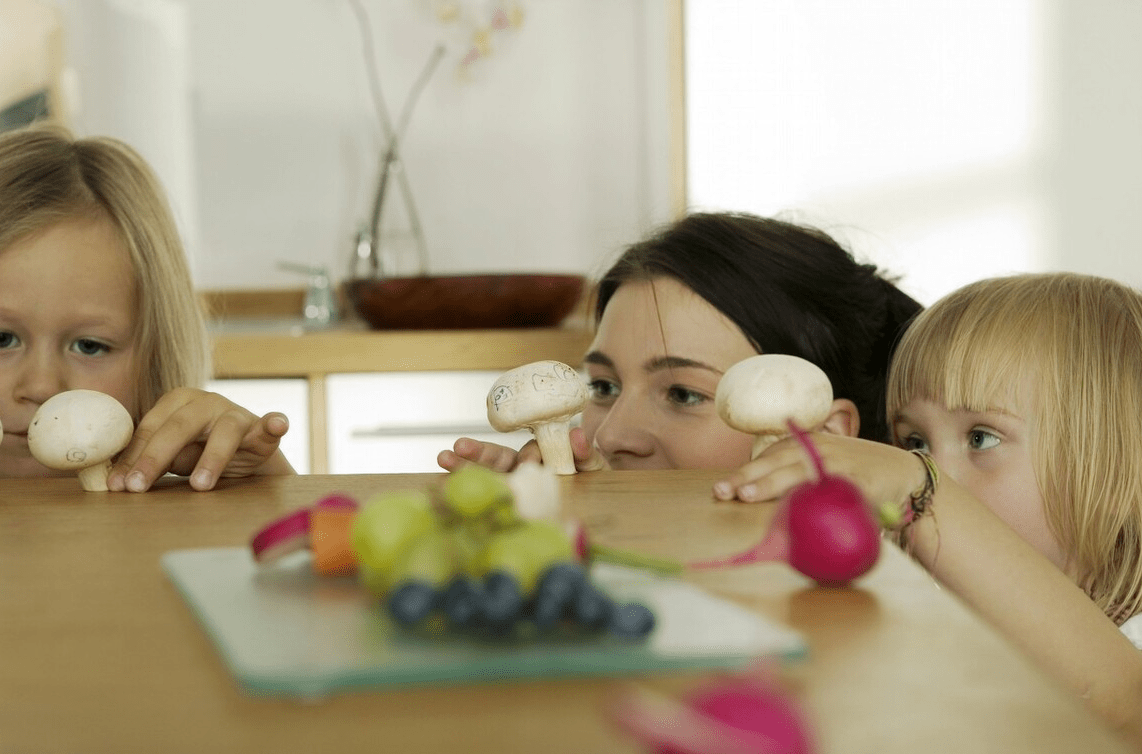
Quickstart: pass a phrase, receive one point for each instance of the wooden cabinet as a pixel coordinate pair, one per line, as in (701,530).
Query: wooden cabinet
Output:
(369,394)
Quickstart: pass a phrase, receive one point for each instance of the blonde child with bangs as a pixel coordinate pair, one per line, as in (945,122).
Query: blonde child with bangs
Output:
(1016,409)
(95,293)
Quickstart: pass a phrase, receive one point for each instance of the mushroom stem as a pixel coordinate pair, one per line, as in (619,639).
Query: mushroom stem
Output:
(555,445)
(761,442)
(94,478)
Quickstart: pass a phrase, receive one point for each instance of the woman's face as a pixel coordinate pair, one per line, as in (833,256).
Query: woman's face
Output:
(654,368)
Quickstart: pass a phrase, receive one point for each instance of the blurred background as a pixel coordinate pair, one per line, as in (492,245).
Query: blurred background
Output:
(945,140)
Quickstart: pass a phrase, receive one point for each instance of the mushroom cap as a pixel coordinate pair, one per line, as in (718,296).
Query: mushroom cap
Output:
(542,391)
(76,429)
(760,394)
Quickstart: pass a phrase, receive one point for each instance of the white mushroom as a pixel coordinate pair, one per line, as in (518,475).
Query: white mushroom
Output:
(543,397)
(80,430)
(759,395)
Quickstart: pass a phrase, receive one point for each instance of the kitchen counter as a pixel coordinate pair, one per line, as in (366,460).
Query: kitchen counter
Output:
(280,350)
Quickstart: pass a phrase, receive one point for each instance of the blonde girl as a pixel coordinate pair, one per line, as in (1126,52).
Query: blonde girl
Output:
(1026,392)
(95,293)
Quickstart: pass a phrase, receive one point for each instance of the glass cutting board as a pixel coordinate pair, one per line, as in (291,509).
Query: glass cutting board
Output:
(282,630)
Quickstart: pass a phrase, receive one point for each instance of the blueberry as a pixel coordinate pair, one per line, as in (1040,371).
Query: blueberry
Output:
(501,600)
(411,602)
(591,608)
(631,620)
(461,601)
(557,590)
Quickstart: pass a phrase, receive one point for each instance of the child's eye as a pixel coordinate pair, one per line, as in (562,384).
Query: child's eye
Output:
(914,442)
(8,340)
(602,390)
(685,397)
(89,347)
(981,439)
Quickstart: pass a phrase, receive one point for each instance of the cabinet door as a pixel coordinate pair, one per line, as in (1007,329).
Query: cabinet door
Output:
(289,396)
(397,422)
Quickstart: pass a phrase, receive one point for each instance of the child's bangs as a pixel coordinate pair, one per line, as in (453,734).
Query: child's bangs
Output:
(961,360)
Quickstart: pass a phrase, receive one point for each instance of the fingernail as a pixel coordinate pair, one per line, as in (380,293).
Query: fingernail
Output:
(747,492)
(201,480)
(723,490)
(115,482)
(136,482)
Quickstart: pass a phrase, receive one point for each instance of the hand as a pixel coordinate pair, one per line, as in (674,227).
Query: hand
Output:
(884,473)
(499,458)
(201,435)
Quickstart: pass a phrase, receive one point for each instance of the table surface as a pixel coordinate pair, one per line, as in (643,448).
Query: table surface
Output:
(99,653)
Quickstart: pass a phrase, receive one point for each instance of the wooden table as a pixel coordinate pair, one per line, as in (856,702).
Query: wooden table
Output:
(98,652)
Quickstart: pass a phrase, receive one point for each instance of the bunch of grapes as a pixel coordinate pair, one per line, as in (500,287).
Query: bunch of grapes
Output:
(461,553)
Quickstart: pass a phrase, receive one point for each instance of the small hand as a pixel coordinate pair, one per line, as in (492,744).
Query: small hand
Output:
(503,459)
(201,435)
(883,472)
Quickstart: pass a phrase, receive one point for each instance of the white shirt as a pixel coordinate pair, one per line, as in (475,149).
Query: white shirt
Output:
(1133,630)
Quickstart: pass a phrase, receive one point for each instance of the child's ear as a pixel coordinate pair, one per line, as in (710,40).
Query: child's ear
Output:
(843,419)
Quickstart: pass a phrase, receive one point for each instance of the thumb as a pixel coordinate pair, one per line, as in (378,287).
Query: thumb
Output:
(587,456)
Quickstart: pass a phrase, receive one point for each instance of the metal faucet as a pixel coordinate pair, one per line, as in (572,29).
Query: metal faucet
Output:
(320,306)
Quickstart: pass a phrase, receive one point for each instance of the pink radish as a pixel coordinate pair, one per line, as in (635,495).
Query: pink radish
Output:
(733,716)
(823,529)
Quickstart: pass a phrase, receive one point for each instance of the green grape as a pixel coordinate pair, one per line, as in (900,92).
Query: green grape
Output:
(429,558)
(387,523)
(474,491)
(525,551)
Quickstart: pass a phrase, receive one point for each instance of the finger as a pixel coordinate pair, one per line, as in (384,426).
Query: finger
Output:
(486,454)
(162,447)
(587,456)
(230,432)
(163,409)
(770,476)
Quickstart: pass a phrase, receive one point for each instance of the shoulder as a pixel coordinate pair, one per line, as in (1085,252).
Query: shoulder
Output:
(1133,630)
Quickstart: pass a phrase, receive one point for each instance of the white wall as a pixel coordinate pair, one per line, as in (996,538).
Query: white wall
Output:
(945,140)
(549,156)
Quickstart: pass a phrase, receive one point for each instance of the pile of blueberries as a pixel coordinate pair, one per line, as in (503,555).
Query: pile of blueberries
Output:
(496,606)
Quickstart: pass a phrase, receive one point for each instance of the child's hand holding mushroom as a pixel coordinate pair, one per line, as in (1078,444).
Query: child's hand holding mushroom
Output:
(201,435)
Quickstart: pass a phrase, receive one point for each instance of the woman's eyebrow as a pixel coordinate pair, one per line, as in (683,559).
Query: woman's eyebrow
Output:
(597,357)
(678,362)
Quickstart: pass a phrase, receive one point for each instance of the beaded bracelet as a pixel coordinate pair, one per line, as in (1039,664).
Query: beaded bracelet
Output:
(919,502)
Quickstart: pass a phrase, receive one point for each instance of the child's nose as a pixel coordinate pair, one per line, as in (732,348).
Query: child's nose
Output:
(40,376)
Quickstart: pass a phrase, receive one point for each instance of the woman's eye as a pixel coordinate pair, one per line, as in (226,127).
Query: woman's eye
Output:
(89,347)
(8,340)
(602,390)
(681,396)
(981,439)
(914,442)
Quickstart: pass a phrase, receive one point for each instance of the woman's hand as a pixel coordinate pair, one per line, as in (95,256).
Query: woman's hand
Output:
(883,473)
(499,458)
(201,435)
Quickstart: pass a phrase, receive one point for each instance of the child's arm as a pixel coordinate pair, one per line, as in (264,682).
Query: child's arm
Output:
(499,458)
(201,435)
(976,555)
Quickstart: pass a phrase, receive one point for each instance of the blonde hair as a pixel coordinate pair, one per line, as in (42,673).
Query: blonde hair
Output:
(47,177)
(1067,348)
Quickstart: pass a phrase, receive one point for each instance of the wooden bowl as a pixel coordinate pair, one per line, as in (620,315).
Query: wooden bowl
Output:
(464,301)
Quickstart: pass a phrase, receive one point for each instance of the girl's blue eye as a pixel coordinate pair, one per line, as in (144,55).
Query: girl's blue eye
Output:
(89,347)
(914,442)
(681,396)
(602,390)
(981,439)
(8,340)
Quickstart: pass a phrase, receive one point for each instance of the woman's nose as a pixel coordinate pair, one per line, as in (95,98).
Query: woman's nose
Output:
(624,430)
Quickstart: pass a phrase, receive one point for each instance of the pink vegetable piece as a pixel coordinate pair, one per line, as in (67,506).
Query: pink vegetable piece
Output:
(731,716)
(290,533)
(823,529)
